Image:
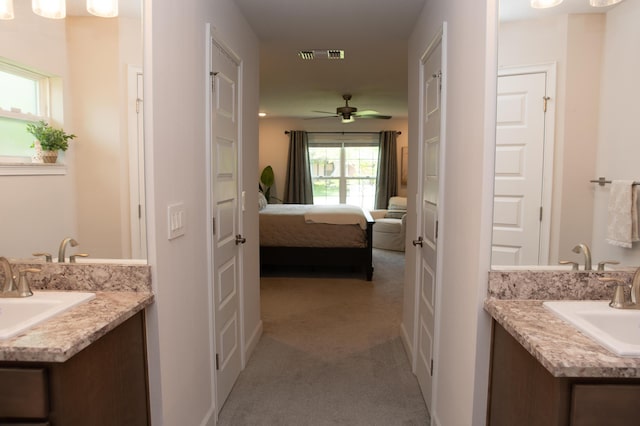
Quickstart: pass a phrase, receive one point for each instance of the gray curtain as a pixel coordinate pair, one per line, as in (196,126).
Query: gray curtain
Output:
(387,185)
(298,188)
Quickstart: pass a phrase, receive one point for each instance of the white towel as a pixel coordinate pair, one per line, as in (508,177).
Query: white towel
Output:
(622,226)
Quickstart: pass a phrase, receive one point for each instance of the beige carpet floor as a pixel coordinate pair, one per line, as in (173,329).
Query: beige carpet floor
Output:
(330,354)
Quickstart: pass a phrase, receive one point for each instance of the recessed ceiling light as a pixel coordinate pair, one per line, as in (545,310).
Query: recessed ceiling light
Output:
(262,114)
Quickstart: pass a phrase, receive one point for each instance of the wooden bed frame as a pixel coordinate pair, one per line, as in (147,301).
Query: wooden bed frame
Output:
(355,257)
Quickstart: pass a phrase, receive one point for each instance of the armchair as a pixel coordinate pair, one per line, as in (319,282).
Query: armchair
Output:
(390,227)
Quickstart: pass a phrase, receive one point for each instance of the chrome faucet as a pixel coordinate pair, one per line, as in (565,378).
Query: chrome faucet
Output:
(9,280)
(63,248)
(587,255)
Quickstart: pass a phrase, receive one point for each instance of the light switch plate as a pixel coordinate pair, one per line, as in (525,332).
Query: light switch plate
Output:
(177,220)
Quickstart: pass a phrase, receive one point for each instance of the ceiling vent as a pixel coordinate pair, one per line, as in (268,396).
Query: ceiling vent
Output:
(321,54)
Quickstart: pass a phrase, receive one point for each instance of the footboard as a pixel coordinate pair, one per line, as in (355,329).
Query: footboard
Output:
(358,257)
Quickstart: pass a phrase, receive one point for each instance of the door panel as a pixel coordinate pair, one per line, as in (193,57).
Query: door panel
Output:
(429,171)
(224,187)
(520,138)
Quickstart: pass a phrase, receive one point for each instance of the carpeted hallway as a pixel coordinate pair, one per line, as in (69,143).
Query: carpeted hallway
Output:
(330,354)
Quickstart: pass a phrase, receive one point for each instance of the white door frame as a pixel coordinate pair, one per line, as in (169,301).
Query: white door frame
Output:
(135,135)
(549,148)
(211,39)
(441,38)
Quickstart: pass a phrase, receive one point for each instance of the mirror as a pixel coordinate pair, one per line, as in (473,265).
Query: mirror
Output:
(96,195)
(583,68)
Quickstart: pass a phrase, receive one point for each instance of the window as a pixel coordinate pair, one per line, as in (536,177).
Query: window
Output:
(344,171)
(24,98)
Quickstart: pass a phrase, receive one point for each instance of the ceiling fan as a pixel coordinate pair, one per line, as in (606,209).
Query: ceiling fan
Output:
(349,113)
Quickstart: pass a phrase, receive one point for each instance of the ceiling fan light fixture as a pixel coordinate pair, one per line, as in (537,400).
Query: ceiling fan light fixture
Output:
(603,3)
(348,120)
(544,4)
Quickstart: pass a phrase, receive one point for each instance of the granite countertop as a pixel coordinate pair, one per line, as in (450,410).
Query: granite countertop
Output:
(64,335)
(561,348)
(515,302)
(121,292)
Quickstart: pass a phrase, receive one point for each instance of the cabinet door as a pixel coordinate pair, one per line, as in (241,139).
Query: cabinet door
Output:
(522,391)
(23,393)
(601,404)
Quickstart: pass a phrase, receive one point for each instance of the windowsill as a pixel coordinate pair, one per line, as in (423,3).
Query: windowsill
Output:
(32,169)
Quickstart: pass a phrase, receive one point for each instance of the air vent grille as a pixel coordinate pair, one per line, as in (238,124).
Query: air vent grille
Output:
(308,55)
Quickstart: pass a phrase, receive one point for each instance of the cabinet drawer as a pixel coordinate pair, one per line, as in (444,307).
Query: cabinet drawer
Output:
(23,393)
(605,404)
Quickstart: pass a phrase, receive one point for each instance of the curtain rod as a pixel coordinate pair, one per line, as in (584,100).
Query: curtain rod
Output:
(286,132)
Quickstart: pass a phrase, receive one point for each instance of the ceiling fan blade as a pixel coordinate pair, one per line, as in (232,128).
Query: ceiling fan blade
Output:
(383,117)
(326,112)
(315,118)
(367,112)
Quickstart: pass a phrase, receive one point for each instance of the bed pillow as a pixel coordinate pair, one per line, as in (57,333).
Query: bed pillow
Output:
(395,214)
(262,201)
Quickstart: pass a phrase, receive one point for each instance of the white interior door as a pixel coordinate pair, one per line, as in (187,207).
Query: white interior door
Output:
(137,206)
(226,243)
(429,200)
(520,144)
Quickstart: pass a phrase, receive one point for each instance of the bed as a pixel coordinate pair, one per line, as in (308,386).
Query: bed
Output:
(316,236)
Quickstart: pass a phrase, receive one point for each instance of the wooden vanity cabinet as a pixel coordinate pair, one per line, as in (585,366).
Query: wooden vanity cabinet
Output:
(104,384)
(522,392)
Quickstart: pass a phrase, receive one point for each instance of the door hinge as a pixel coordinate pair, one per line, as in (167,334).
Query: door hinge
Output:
(217,362)
(213,225)
(139,211)
(437,227)
(431,369)
(540,213)
(545,99)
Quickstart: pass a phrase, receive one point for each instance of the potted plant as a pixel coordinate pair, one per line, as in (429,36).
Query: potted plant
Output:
(267,179)
(50,140)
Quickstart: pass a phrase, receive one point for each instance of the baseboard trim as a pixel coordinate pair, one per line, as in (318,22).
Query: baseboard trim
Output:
(252,342)
(408,347)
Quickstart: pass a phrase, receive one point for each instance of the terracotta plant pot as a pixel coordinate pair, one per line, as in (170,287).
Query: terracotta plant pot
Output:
(49,156)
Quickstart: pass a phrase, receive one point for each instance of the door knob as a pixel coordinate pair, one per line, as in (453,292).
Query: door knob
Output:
(240,239)
(418,242)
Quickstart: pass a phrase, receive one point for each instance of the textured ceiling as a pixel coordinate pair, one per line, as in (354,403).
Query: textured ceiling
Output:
(374,36)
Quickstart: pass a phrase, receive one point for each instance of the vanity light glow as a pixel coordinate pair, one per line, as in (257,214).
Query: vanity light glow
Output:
(6,9)
(103,8)
(54,9)
(544,4)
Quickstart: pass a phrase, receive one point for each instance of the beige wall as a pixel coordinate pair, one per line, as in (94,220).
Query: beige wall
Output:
(89,56)
(179,332)
(462,338)
(574,44)
(40,210)
(619,130)
(274,143)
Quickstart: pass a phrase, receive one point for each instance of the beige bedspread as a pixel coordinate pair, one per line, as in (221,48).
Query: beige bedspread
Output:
(286,225)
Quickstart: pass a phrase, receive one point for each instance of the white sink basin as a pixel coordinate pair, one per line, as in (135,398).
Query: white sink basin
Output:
(616,329)
(20,313)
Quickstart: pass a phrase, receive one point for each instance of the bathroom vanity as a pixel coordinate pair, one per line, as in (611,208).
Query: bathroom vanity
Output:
(543,370)
(85,366)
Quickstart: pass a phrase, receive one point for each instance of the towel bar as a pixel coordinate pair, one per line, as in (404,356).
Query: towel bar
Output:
(602,181)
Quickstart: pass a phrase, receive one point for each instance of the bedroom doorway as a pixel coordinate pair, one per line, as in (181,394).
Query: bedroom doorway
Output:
(225,238)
